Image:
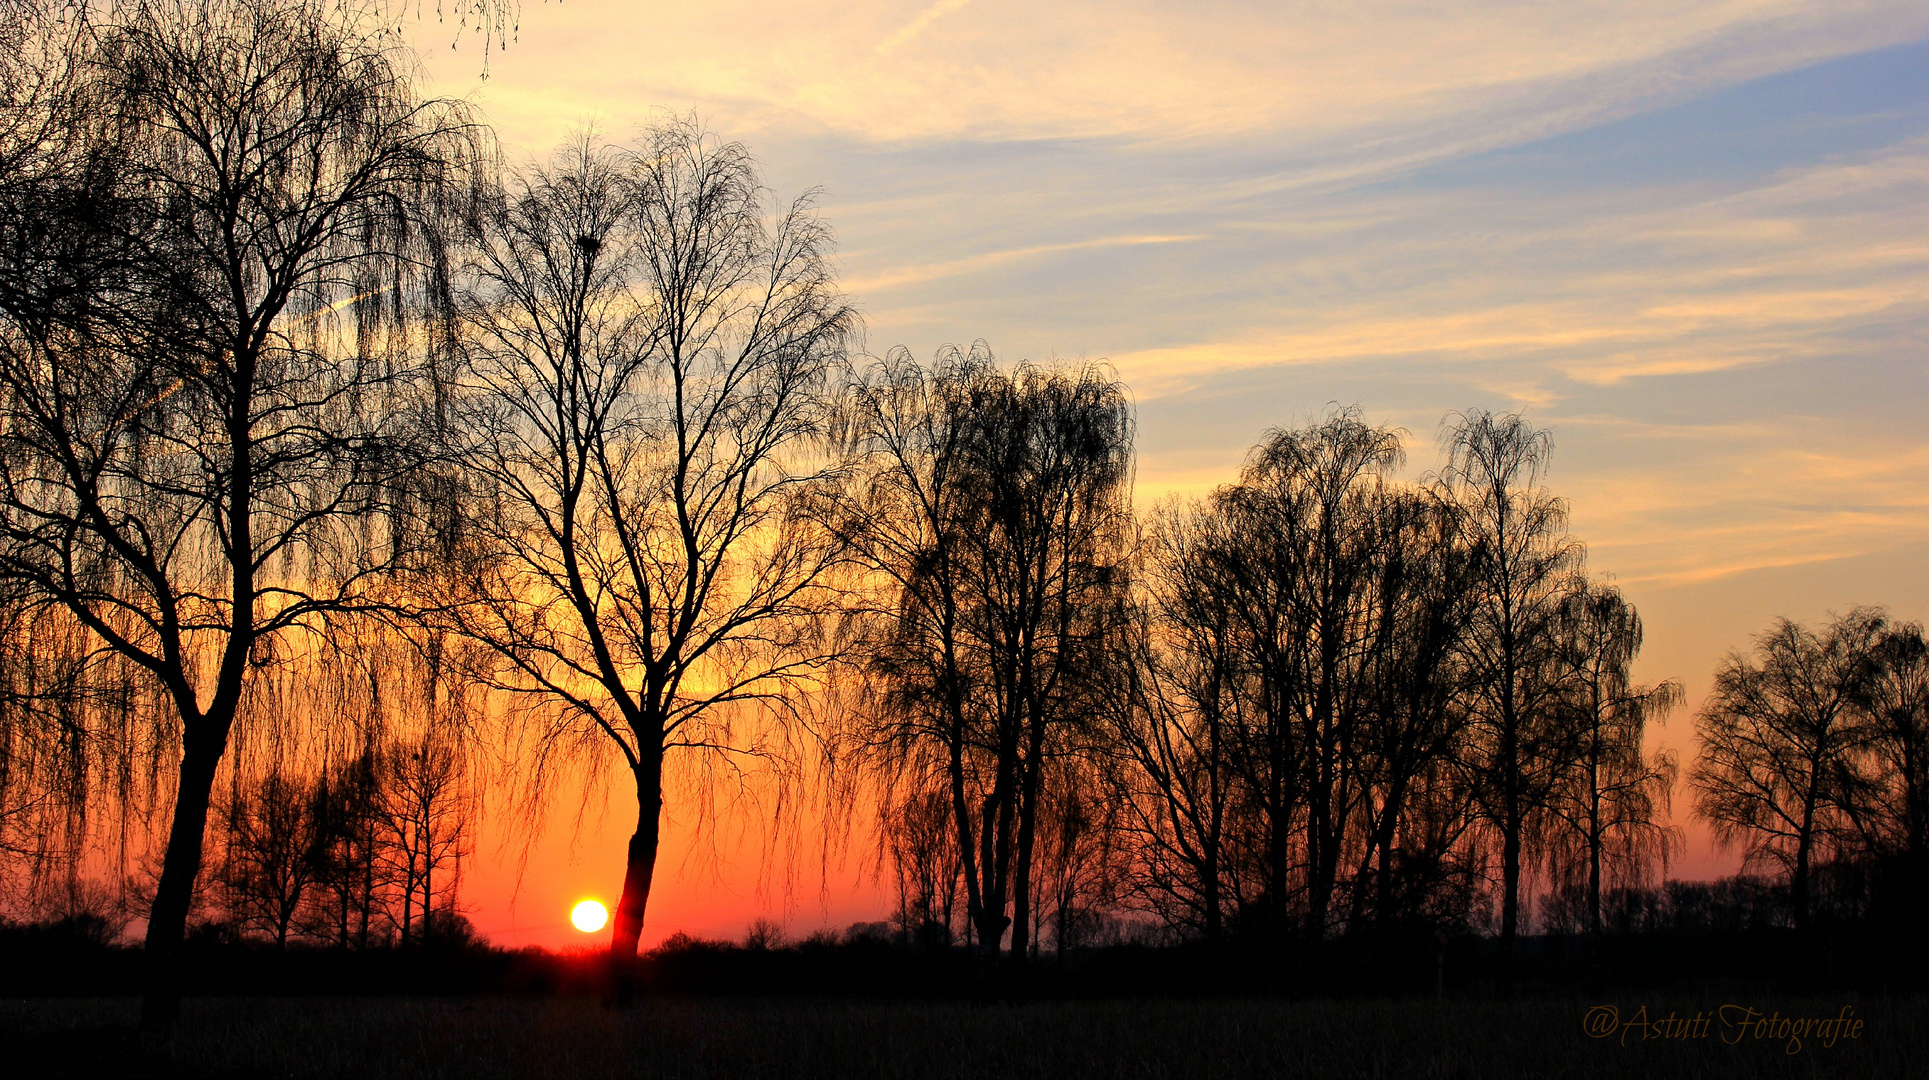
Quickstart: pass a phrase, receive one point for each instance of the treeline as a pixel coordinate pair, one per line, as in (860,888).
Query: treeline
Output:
(1318,701)
(333,447)
(367,855)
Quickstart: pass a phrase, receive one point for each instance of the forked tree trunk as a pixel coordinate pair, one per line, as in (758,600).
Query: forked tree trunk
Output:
(202,747)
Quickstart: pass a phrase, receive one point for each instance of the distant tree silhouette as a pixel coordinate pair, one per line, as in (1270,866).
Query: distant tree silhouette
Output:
(922,847)
(1316,495)
(1309,721)
(1417,794)
(424,813)
(1080,875)
(1888,800)
(352,876)
(1778,740)
(366,854)
(1264,583)
(271,856)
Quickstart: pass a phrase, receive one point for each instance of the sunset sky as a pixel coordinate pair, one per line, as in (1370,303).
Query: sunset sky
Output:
(1691,238)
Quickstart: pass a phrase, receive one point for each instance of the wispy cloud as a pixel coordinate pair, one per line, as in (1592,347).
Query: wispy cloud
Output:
(917,26)
(897,277)
(1388,70)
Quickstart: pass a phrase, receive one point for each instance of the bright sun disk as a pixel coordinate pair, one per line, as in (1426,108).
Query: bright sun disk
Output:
(589,916)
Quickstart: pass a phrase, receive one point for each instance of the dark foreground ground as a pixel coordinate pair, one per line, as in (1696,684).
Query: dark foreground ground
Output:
(740,1038)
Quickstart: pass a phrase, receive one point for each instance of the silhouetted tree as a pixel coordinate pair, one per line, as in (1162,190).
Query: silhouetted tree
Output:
(423,810)
(271,856)
(352,877)
(1172,724)
(992,507)
(1304,648)
(1317,494)
(1777,744)
(904,515)
(1523,564)
(1417,794)
(1052,458)
(1079,874)
(923,851)
(1265,581)
(1613,798)
(199,382)
(644,401)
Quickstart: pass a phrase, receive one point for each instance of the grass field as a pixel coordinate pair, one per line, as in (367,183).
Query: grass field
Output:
(701,1039)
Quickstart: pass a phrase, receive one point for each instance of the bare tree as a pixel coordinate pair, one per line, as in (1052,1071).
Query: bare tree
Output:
(1079,866)
(269,857)
(1777,742)
(1615,795)
(201,387)
(1416,791)
(1319,493)
(923,851)
(1524,561)
(1172,728)
(645,395)
(902,515)
(1264,581)
(424,811)
(993,510)
(1053,464)
(352,876)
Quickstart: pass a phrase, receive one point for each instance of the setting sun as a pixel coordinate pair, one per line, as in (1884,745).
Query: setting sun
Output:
(589,916)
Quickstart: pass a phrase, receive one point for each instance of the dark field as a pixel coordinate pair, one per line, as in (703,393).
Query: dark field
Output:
(698,1039)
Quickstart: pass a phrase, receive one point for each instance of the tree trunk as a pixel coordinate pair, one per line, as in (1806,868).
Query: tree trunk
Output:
(1214,926)
(1594,826)
(1383,835)
(1383,881)
(1511,829)
(1278,855)
(167,919)
(1021,915)
(1798,883)
(1594,885)
(1021,889)
(1510,887)
(640,865)
(995,854)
